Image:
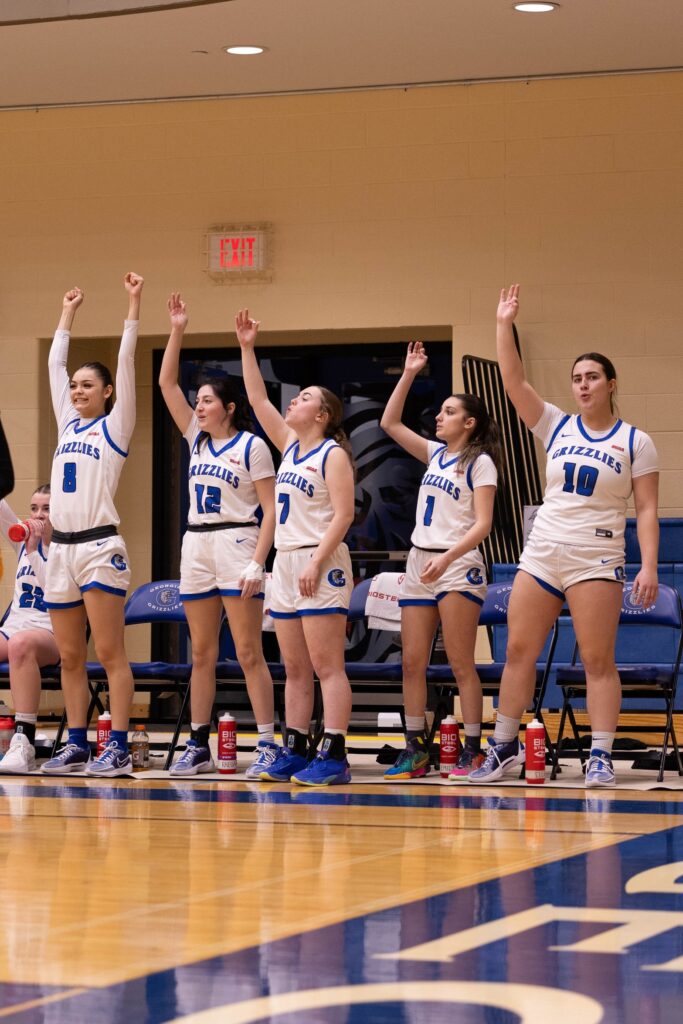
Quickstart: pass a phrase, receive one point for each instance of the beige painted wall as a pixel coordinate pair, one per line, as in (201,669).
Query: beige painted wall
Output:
(389,208)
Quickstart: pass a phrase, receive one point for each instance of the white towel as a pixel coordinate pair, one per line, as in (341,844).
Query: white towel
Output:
(381,607)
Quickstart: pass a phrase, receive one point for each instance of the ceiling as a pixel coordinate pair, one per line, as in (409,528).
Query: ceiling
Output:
(176,51)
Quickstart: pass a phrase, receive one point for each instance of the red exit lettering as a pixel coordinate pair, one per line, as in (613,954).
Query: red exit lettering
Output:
(237,253)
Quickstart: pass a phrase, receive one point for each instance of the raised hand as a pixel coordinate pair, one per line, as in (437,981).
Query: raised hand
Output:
(246,328)
(177,310)
(416,359)
(508,307)
(133,283)
(73,298)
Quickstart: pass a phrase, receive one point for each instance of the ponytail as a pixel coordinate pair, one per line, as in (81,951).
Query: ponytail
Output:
(485,438)
(331,404)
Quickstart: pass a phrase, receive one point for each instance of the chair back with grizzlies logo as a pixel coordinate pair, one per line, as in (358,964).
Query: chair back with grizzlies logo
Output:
(648,657)
(155,602)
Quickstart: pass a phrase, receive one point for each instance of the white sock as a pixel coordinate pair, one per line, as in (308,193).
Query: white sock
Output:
(415,723)
(506,728)
(266,732)
(602,741)
(335,732)
(22,716)
(472,730)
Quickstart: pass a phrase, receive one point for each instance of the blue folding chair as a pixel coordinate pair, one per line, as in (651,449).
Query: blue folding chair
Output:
(652,680)
(152,603)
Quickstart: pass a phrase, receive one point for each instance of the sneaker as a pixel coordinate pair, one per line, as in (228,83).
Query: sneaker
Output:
(193,760)
(21,756)
(71,758)
(411,763)
(324,771)
(112,761)
(501,758)
(599,770)
(264,755)
(284,766)
(468,761)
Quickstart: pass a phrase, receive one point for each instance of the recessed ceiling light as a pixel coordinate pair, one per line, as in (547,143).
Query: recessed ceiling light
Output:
(535,8)
(244,51)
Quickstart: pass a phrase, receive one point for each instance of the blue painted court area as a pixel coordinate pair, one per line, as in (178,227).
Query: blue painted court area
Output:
(595,937)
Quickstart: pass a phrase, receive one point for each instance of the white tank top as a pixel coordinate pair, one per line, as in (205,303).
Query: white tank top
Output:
(303,509)
(588,479)
(445,504)
(222,475)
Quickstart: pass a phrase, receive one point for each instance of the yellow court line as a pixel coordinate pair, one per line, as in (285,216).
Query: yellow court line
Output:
(32,1004)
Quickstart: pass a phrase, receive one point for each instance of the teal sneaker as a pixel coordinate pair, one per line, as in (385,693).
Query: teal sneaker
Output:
(412,763)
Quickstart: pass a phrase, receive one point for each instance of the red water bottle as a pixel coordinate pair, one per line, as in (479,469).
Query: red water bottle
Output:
(103,731)
(18,532)
(6,734)
(535,753)
(227,745)
(449,745)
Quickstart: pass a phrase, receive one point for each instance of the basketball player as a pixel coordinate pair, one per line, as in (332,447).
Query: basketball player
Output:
(223,557)
(87,568)
(26,639)
(312,578)
(445,578)
(576,547)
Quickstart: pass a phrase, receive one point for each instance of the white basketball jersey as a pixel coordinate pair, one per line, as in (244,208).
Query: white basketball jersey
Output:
(85,474)
(588,479)
(28,607)
(445,503)
(222,474)
(303,509)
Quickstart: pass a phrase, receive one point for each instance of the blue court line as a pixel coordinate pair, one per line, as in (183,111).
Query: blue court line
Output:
(598,800)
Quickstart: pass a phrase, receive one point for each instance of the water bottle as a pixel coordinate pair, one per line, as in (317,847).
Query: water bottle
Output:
(227,745)
(449,745)
(139,748)
(103,731)
(534,742)
(18,532)
(6,734)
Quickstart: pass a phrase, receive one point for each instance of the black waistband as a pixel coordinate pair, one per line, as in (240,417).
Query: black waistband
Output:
(210,527)
(81,536)
(432,551)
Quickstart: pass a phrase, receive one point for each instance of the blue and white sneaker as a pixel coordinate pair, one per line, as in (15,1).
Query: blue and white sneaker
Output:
(324,771)
(71,758)
(113,761)
(193,760)
(264,756)
(284,766)
(600,770)
(500,759)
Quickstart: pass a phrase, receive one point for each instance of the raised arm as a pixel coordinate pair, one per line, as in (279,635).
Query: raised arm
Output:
(121,420)
(268,416)
(526,401)
(59,352)
(176,403)
(339,480)
(391,422)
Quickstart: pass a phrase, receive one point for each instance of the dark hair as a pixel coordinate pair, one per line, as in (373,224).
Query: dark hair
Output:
(485,438)
(104,373)
(43,489)
(332,405)
(227,392)
(610,373)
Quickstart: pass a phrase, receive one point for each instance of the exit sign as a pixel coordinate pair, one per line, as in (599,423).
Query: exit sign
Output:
(237,251)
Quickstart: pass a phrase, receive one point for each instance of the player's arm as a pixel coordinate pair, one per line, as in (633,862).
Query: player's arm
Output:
(339,480)
(59,353)
(176,403)
(252,580)
(645,495)
(483,501)
(268,416)
(391,422)
(525,399)
(121,420)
